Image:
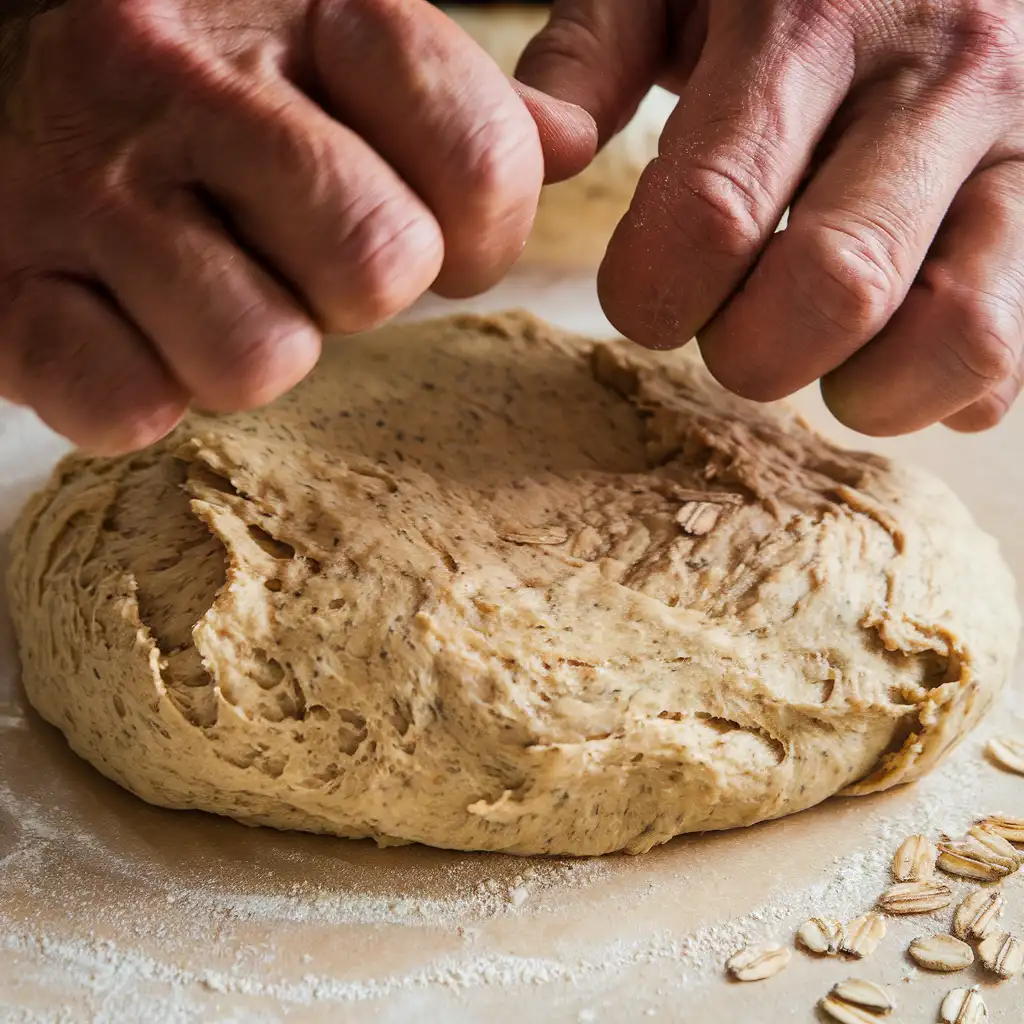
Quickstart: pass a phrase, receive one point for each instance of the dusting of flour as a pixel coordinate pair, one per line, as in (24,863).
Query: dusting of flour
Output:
(264,920)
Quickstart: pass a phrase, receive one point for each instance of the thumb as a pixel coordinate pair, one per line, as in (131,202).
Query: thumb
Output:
(601,56)
(568,135)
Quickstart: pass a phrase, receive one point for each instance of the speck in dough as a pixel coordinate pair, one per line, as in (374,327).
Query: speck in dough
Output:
(483,585)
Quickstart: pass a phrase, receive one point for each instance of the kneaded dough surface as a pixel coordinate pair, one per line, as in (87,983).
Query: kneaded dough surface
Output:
(575,218)
(483,585)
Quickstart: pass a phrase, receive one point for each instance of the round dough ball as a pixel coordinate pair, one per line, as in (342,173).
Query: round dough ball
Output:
(483,585)
(576,218)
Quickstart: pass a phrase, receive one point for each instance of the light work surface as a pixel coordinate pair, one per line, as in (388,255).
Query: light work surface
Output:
(111,910)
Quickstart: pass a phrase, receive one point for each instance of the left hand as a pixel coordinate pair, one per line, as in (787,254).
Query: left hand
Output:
(895,129)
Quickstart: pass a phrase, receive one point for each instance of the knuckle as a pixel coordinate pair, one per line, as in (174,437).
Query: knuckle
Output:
(290,147)
(500,162)
(846,278)
(986,43)
(731,209)
(983,30)
(572,43)
(570,40)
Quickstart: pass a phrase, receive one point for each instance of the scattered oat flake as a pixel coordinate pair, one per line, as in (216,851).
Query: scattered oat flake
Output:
(980,855)
(1000,849)
(941,953)
(956,861)
(1007,752)
(1011,829)
(976,915)
(822,935)
(846,1013)
(915,860)
(1002,953)
(915,897)
(963,1006)
(862,935)
(757,962)
(865,994)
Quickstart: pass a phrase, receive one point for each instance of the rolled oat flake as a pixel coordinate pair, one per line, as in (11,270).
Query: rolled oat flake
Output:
(914,860)
(862,935)
(865,994)
(822,935)
(915,897)
(847,1013)
(977,915)
(1011,829)
(1002,953)
(963,1006)
(941,953)
(757,962)
(1007,752)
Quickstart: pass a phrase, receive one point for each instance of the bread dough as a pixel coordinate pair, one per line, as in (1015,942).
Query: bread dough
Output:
(483,585)
(576,218)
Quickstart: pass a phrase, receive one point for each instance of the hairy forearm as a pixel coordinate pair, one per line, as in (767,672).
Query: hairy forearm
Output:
(15,18)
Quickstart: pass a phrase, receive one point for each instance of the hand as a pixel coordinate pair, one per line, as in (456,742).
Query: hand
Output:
(895,129)
(192,190)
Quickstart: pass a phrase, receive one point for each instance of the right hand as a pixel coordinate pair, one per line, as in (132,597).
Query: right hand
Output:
(191,191)
(893,130)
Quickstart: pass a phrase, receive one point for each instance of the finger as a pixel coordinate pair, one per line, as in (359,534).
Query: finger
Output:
(446,118)
(956,342)
(854,244)
(731,157)
(87,372)
(317,204)
(568,134)
(600,56)
(229,332)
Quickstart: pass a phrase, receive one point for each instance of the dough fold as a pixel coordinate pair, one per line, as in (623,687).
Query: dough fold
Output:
(487,586)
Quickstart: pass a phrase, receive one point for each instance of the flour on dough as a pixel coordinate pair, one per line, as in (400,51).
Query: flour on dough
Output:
(480,584)
(576,218)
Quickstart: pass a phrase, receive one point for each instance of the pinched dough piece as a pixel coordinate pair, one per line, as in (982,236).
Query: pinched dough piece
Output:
(483,585)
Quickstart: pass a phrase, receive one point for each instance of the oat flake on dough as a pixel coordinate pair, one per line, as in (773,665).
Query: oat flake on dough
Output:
(312,616)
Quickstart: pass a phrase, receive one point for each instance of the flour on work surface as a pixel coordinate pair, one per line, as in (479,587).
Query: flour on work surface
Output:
(132,953)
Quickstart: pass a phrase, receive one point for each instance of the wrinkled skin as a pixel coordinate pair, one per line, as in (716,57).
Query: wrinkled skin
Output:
(192,191)
(897,126)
